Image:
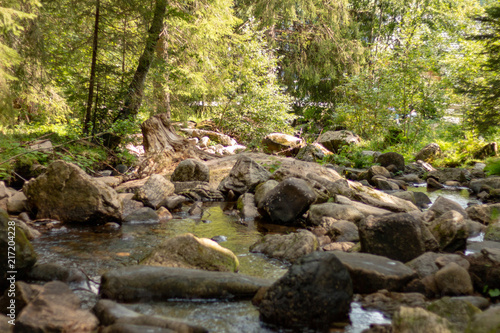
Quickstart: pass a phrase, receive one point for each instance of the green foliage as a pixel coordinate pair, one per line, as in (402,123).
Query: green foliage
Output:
(458,151)
(493,167)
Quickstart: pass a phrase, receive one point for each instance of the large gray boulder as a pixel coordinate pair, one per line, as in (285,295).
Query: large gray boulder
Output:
(334,140)
(288,247)
(287,201)
(56,309)
(371,273)
(146,283)
(191,170)
(316,292)
(66,193)
(245,175)
(396,236)
(442,205)
(281,143)
(477,185)
(189,251)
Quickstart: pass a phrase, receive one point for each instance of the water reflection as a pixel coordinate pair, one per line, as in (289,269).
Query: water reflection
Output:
(460,195)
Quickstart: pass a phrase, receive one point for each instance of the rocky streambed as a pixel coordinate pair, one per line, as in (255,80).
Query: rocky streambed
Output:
(313,250)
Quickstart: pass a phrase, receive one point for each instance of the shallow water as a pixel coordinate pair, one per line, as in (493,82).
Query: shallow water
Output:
(96,252)
(460,195)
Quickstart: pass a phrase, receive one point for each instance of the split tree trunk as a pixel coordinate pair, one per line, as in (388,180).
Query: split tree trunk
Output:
(164,147)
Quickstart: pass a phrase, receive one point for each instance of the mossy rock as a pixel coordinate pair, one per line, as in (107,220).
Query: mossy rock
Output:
(458,312)
(493,232)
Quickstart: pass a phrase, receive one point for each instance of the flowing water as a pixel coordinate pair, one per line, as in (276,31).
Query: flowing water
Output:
(95,252)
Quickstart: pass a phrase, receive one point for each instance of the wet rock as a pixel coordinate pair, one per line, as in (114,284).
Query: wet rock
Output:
(485,214)
(457,311)
(55,309)
(485,322)
(164,214)
(189,251)
(200,192)
(17,203)
(191,170)
(384,184)
(25,256)
(417,320)
(142,215)
(130,206)
(31,233)
(110,313)
(174,202)
(288,247)
(287,201)
(371,273)
(66,193)
(245,175)
(131,328)
(281,143)
(454,280)
(392,158)
(429,153)
(343,231)
(317,213)
(154,192)
(316,292)
(390,302)
(433,183)
(196,210)
(334,140)
(55,272)
(430,262)
(396,236)
(406,195)
(246,205)
(147,283)
(378,328)
(442,205)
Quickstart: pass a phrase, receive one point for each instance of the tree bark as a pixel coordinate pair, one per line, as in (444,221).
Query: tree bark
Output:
(88,114)
(135,92)
(164,147)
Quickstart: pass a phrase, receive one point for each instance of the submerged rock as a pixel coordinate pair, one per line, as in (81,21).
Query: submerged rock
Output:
(316,292)
(66,193)
(149,283)
(188,251)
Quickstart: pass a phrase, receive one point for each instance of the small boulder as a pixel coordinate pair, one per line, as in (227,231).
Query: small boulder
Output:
(392,158)
(317,213)
(487,321)
(142,215)
(486,214)
(459,312)
(492,232)
(442,205)
(287,201)
(428,153)
(377,170)
(316,292)
(66,193)
(343,231)
(245,175)
(335,140)
(418,320)
(262,189)
(397,236)
(154,192)
(281,143)
(454,280)
(288,247)
(191,170)
(17,203)
(312,153)
(56,309)
(246,206)
(451,231)
(188,251)
(371,273)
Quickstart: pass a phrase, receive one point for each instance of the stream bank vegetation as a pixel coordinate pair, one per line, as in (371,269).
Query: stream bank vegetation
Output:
(400,74)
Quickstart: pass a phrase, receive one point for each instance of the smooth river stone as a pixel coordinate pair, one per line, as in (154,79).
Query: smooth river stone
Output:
(140,283)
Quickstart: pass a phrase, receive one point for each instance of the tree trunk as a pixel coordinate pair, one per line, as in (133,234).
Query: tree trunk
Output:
(164,147)
(135,92)
(88,114)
